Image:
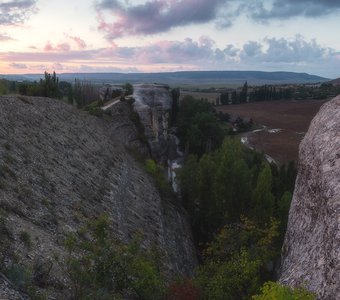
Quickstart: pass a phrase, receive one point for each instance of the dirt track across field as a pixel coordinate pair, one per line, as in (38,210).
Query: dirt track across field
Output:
(291,117)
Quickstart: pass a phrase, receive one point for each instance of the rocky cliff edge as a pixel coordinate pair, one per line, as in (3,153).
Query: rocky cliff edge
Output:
(59,168)
(311,251)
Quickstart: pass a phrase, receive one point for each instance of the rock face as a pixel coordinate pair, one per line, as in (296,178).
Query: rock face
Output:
(59,168)
(153,104)
(7,291)
(311,251)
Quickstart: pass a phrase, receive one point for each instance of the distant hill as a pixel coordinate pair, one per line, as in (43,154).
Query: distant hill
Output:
(186,78)
(335,81)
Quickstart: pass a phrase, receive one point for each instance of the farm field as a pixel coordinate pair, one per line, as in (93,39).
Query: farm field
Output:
(286,124)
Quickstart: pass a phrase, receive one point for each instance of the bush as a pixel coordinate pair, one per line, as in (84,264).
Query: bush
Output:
(273,290)
(158,175)
(94,108)
(100,266)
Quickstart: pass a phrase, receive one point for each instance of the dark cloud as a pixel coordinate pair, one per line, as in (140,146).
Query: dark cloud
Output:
(252,48)
(155,16)
(282,9)
(231,50)
(16,12)
(294,51)
(288,51)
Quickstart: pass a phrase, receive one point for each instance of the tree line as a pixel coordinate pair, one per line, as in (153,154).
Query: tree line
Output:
(277,92)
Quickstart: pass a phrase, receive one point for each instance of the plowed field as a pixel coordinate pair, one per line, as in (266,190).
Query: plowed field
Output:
(291,117)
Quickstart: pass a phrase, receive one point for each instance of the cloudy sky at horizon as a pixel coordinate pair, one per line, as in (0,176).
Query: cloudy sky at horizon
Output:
(169,35)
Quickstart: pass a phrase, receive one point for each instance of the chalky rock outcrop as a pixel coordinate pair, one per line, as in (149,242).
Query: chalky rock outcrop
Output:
(153,104)
(61,167)
(311,251)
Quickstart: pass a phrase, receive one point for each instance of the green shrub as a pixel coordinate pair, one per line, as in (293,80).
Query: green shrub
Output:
(157,173)
(274,290)
(99,266)
(98,112)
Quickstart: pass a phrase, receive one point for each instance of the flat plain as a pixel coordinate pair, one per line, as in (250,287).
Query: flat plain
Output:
(290,118)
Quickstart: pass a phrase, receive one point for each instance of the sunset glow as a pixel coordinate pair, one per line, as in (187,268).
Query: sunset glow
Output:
(168,35)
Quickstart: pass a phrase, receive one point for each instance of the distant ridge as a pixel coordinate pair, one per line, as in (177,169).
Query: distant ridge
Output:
(335,81)
(186,77)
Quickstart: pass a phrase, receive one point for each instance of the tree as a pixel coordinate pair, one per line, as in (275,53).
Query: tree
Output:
(198,127)
(128,89)
(235,261)
(244,93)
(50,85)
(263,199)
(100,267)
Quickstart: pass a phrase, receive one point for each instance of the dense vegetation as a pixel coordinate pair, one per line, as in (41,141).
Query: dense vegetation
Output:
(198,127)
(237,203)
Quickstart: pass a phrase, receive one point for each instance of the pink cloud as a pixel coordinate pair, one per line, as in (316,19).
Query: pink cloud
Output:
(201,54)
(62,47)
(80,42)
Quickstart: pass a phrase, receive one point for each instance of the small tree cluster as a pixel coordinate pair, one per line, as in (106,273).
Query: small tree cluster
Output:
(100,267)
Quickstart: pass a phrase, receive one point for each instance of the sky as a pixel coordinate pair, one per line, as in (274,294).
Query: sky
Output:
(169,35)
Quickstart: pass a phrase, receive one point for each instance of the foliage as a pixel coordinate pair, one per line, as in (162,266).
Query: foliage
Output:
(84,93)
(244,93)
(158,174)
(50,85)
(228,280)
(100,267)
(94,108)
(235,263)
(233,188)
(47,87)
(263,199)
(198,128)
(128,89)
(219,187)
(273,290)
(216,189)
